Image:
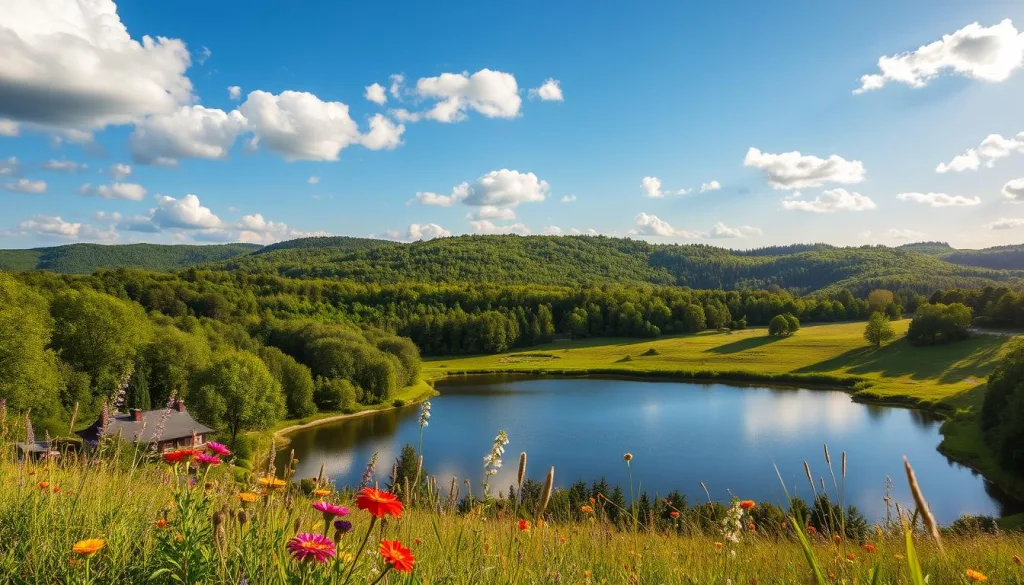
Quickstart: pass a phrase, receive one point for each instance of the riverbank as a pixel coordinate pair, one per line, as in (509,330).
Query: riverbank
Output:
(948,380)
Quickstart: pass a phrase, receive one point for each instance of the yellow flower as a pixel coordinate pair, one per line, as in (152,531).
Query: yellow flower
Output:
(321,493)
(976,575)
(346,557)
(248,497)
(719,545)
(271,482)
(88,547)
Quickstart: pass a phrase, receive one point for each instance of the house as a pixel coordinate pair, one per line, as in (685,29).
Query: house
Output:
(168,428)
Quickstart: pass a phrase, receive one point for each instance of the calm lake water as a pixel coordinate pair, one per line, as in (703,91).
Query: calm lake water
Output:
(729,437)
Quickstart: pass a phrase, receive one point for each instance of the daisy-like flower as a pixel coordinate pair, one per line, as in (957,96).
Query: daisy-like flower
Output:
(379,503)
(311,546)
(271,482)
(88,547)
(869,548)
(342,526)
(748,504)
(976,575)
(161,523)
(207,459)
(321,493)
(248,497)
(330,510)
(587,509)
(218,448)
(178,456)
(43,485)
(674,514)
(397,555)
(524,526)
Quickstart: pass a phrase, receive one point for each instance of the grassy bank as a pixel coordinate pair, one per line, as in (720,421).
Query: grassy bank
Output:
(948,380)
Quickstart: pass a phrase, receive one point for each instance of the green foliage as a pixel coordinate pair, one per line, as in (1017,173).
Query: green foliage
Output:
(1002,415)
(30,375)
(88,258)
(783,325)
(173,357)
(335,394)
(792,322)
(295,379)
(937,323)
(237,393)
(878,330)
(137,395)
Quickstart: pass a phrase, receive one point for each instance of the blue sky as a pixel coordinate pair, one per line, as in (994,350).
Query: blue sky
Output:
(668,91)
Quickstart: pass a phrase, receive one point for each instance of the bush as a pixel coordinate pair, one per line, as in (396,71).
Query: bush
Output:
(398,403)
(938,323)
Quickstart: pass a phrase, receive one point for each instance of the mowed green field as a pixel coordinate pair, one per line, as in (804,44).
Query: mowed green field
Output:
(947,376)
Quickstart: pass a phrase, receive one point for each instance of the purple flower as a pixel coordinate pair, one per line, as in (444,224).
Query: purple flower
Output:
(342,526)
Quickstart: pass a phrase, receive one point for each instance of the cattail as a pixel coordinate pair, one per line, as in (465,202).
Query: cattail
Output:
(807,471)
(295,525)
(243,517)
(406,494)
(219,538)
(394,474)
(545,494)
(419,466)
(320,476)
(522,469)
(828,460)
(844,464)
(922,505)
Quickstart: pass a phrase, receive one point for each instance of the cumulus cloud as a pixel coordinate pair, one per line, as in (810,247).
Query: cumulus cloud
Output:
(129,191)
(397,79)
(376,94)
(651,187)
(652,225)
(939,199)
(568,199)
(254,229)
(507,188)
(417,232)
(830,201)
(299,126)
(188,132)
(120,170)
(993,148)
(383,134)
(235,92)
(792,170)
(53,226)
(484,226)
(69,64)
(9,128)
(552,230)
(976,52)
(27,186)
(313,180)
(1004,223)
(1014,189)
(905,234)
(185,213)
(494,94)
(550,91)
(63,166)
(712,186)
(9,167)
(459,192)
(723,231)
(492,212)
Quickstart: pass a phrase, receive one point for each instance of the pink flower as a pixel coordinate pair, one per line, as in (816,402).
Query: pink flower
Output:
(307,545)
(207,459)
(218,449)
(330,510)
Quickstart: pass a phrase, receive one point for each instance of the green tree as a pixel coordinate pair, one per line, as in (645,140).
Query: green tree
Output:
(29,374)
(878,329)
(792,322)
(879,300)
(779,326)
(938,323)
(1002,413)
(237,393)
(295,379)
(693,318)
(137,395)
(336,394)
(173,358)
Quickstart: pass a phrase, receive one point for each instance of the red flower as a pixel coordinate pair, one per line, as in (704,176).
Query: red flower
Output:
(178,456)
(397,556)
(753,527)
(674,514)
(748,504)
(524,525)
(379,503)
(811,529)
(869,548)
(850,556)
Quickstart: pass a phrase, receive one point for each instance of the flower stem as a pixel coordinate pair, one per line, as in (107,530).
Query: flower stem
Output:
(355,561)
(384,572)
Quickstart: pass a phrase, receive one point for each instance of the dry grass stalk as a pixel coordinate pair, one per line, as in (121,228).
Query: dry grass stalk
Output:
(545,494)
(922,505)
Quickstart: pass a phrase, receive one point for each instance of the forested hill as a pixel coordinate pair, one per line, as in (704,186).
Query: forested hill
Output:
(88,258)
(573,260)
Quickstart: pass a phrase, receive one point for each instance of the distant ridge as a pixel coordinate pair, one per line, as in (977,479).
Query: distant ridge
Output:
(88,258)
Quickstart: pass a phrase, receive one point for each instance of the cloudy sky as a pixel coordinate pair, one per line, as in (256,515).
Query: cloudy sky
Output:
(741,124)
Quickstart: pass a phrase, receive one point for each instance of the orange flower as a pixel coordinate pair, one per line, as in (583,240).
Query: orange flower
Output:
(719,545)
(43,485)
(320,493)
(417,540)
(811,530)
(869,548)
(562,539)
(592,501)
(178,456)
(397,556)
(379,503)
(161,523)
(752,527)
(271,482)
(674,514)
(850,556)
(586,509)
(628,457)
(835,538)
(524,526)
(587,574)
(748,504)
(248,497)
(976,575)
(88,547)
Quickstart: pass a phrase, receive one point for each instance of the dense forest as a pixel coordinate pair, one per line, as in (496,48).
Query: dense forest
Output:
(564,261)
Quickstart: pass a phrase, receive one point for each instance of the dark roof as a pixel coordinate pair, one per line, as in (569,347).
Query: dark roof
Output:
(178,425)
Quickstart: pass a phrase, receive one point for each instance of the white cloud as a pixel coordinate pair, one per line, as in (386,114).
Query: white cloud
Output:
(383,134)
(550,91)
(184,213)
(27,186)
(299,126)
(313,180)
(492,212)
(651,187)
(416,232)
(189,132)
(993,148)
(1004,223)
(939,199)
(723,231)
(129,191)
(552,230)
(829,201)
(395,90)
(63,166)
(235,92)
(506,188)
(9,128)
(652,225)
(376,94)
(120,170)
(54,226)
(494,94)
(204,54)
(712,186)
(792,170)
(976,52)
(8,167)
(71,64)
(459,192)
(904,234)
(568,199)
(254,229)
(865,235)
(484,226)
(1014,189)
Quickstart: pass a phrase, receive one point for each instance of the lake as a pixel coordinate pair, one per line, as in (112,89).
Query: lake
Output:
(680,434)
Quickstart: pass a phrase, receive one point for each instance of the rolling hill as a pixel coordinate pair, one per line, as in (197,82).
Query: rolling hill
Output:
(88,258)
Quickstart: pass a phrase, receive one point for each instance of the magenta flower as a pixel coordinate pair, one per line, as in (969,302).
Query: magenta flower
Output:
(330,510)
(207,459)
(307,545)
(218,449)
